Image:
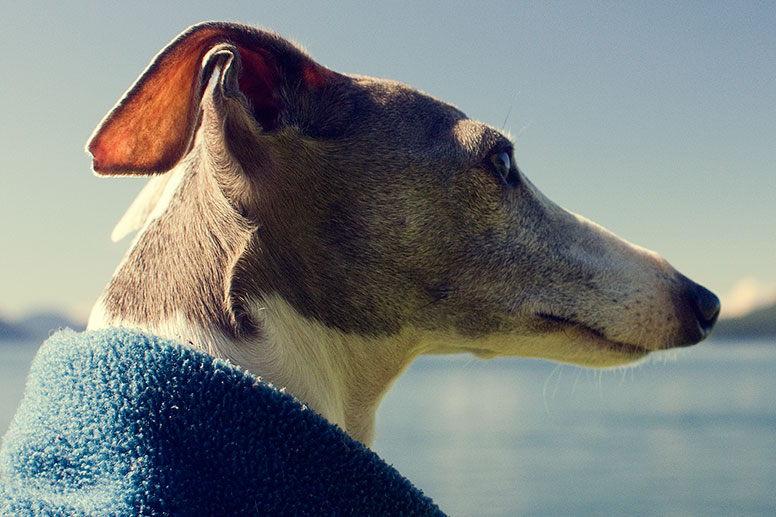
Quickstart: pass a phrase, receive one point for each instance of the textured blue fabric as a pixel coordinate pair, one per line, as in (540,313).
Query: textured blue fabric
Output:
(115,422)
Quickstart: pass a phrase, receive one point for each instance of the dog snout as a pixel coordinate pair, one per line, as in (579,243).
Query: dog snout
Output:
(703,311)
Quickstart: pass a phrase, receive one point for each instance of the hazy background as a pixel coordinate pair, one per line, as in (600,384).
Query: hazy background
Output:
(654,119)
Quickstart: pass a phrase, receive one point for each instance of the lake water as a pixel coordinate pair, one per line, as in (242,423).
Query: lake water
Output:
(692,433)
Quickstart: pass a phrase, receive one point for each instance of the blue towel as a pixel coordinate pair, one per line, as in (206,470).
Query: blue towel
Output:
(116,422)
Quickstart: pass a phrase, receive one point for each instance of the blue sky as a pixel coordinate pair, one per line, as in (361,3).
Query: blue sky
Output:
(655,119)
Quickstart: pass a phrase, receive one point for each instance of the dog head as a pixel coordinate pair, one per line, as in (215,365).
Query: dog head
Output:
(371,209)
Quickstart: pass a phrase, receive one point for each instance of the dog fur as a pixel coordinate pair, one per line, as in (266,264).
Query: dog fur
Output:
(322,230)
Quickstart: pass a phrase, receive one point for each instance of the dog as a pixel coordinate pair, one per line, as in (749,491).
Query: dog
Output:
(322,230)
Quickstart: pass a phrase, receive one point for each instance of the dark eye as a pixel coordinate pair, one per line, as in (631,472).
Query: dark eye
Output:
(503,165)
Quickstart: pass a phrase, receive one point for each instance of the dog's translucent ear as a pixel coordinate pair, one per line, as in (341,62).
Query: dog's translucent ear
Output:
(151,128)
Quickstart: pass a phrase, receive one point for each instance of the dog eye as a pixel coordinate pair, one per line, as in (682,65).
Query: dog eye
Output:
(503,165)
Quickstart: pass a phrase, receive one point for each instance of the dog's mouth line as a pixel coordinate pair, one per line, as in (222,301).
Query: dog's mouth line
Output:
(617,346)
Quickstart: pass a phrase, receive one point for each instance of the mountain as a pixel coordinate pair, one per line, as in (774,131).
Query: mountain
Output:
(36,327)
(758,323)
(10,332)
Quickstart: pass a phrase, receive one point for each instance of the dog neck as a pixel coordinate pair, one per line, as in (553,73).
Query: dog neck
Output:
(343,376)
(175,282)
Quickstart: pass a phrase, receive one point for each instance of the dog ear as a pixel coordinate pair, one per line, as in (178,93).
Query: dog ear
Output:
(152,127)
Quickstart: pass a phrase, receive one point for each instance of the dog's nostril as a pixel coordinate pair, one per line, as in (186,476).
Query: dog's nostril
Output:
(699,313)
(707,308)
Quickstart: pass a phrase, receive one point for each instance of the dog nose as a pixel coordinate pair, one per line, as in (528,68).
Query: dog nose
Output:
(707,308)
(699,314)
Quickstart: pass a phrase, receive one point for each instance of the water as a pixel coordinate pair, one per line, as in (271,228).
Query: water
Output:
(15,358)
(690,435)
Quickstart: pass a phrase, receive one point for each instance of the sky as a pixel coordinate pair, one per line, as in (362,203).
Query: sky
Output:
(654,119)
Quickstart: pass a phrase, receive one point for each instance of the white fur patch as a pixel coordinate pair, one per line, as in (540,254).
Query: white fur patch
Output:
(150,203)
(343,376)
(138,212)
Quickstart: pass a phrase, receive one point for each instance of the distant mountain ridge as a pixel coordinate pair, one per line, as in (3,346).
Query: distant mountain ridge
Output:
(36,327)
(758,323)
